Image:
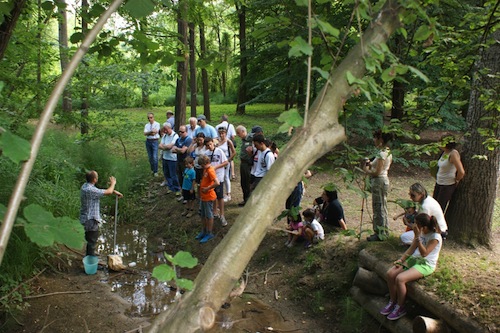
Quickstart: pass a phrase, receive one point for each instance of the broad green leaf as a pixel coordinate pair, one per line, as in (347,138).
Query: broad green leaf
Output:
(388,74)
(163,273)
(423,32)
(69,232)
(302,3)
(14,147)
(77,37)
(324,74)
(139,8)
(184,284)
(328,28)
(291,117)
(350,78)
(47,5)
(184,259)
(96,10)
(299,47)
(419,74)
(38,226)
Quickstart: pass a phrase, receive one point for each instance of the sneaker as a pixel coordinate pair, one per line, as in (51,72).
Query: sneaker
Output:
(223,221)
(177,193)
(169,191)
(373,238)
(206,238)
(307,245)
(164,183)
(291,244)
(388,308)
(227,198)
(241,204)
(217,213)
(179,198)
(398,312)
(185,212)
(287,242)
(190,214)
(155,174)
(184,202)
(200,235)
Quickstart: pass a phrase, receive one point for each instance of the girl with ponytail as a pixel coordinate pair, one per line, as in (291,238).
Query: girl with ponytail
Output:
(418,261)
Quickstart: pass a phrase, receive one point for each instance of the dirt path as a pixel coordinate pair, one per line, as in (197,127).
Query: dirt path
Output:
(289,290)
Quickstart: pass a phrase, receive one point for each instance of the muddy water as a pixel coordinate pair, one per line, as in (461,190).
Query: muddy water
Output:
(149,297)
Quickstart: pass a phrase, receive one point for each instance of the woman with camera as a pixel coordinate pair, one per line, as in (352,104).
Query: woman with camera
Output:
(378,170)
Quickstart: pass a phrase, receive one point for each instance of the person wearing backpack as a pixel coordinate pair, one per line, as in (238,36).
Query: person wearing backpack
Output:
(265,159)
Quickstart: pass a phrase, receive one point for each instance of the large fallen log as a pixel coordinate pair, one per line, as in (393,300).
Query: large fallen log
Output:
(423,324)
(373,304)
(454,318)
(370,282)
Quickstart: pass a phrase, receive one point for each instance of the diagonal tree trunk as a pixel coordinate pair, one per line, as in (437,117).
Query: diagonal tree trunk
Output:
(197,308)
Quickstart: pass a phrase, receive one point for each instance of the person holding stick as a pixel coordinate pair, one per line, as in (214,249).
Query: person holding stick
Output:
(90,215)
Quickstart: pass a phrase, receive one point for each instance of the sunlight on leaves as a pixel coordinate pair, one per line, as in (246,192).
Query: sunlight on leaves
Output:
(184,259)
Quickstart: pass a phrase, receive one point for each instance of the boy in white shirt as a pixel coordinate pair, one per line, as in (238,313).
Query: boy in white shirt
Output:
(314,231)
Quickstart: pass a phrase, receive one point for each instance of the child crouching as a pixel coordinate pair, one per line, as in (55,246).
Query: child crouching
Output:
(295,228)
(314,231)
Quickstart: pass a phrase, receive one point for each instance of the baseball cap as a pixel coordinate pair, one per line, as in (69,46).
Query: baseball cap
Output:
(201,117)
(257,129)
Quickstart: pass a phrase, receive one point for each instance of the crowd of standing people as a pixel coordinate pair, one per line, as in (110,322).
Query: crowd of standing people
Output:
(198,167)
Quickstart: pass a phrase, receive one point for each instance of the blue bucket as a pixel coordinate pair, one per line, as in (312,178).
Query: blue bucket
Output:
(90,264)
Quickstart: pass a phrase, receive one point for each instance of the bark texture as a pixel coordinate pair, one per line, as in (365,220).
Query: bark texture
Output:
(182,66)
(197,308)
(470,212)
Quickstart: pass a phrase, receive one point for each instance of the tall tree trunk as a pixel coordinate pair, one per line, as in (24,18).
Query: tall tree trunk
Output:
(182,66)
(242,88)
(300,94)
(39,58)
(144,69)
(84,109)
(192,68)
(63,51)
(398,99)
(197,309)
(204,73)
(8,25)
(470,214)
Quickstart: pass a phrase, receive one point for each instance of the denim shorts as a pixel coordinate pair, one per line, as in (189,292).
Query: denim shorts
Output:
(207,209)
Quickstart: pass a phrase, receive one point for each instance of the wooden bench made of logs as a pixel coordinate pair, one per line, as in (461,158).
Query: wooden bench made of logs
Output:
(370,290)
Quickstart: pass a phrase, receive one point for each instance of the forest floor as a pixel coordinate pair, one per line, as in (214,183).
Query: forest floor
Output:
(289,289)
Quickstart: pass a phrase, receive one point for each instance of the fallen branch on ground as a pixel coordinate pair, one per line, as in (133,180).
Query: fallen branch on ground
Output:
(57,293)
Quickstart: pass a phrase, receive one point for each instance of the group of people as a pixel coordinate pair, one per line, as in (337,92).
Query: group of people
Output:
(201,156)
(425,221)
(183,172)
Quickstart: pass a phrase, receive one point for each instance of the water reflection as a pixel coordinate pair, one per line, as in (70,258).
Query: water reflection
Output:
(147,295)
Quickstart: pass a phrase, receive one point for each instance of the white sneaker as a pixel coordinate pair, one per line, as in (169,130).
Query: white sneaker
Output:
(227,198)
(155,174)
(223,221)
(180,198)
(164,183)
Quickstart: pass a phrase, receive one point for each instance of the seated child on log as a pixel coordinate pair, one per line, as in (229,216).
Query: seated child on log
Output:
(314,232)
(418,261)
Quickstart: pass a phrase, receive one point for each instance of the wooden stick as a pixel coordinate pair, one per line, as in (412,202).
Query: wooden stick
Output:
(281,229)
(57,293)
(19,286)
